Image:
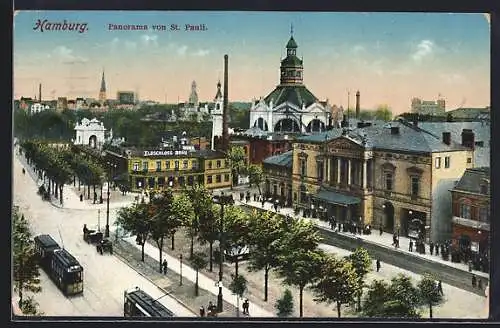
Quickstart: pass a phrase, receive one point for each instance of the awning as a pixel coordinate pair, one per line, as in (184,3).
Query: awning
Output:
(336,198)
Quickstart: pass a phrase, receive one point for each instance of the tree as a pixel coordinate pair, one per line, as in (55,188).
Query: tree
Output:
(209,230)
(383,112)
(183,212)
(200,201)
(26,273)
(362,263)
(399,299)
(235,232)
(136,219)
(255,176)
(264,242)
(338,282)
(237,160)
(238,286)
(199,262)
(429,293)
(284,305)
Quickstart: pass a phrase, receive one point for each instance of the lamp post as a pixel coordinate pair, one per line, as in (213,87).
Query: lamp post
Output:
(180,261)
(222,200)
(110,166)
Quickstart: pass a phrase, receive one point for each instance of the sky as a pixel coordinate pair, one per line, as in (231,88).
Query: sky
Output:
(389,57)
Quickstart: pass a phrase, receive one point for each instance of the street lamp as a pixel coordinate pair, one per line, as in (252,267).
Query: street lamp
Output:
(110,166)
(180,261)
(222,200)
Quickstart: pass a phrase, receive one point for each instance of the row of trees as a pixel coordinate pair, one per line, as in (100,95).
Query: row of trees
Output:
(287,246)
(57,166)
(25,268)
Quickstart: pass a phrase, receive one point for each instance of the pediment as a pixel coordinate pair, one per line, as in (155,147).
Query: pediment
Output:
(414,170)
(343,143)
(286,108)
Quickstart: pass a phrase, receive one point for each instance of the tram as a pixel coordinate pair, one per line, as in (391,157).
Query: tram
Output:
(60,265)
(137,303)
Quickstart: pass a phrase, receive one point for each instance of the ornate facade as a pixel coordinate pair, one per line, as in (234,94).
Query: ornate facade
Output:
(291,107)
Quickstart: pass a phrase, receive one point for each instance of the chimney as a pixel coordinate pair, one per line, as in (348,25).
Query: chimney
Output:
(225,110)
(40,92)
(468,138)
(447,138)
(394,129)
(357,104)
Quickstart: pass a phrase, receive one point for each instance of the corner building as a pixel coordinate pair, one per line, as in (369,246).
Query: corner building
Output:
(394,175)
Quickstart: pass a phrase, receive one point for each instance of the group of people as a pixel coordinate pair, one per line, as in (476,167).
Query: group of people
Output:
(211,310)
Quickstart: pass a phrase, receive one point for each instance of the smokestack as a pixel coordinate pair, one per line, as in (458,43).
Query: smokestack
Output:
(225,110)
(357,104)
(40,92)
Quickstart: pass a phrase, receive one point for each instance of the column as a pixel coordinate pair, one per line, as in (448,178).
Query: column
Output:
(365,178)
(338,170)
(328,169)
(349,171)
(331,172)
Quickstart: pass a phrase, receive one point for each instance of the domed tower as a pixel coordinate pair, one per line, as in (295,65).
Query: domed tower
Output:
(291,66)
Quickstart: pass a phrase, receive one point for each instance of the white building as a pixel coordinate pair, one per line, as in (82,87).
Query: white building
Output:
(428,107)
(91,133)
(38,107)
(217,115)
(291,107)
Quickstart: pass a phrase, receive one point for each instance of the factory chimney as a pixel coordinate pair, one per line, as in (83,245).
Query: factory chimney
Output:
(40,92)
(357,105)
(225,109)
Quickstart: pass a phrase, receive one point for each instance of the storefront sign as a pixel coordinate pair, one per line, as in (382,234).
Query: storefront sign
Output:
(165,153)
(413,234)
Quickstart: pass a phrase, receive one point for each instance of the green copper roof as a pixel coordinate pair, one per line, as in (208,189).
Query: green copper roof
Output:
(292,61)
(295,94)
(291,43)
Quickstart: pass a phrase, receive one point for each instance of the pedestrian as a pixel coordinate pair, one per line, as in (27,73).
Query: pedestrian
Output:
(246,304)
(85,229)
(437,249)
(202,311)
(431,248)
(479,283)
(440,287)
(210,307)
(95,197)
(24,171)
(241,196)
(473,281)
(381,230)
(378,265)
(410,248)
(165,266)
(81,197)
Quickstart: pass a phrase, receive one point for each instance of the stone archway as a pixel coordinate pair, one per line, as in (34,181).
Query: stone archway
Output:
(316,125)
(261,124)
(287,125)
(93,141)
(388,217)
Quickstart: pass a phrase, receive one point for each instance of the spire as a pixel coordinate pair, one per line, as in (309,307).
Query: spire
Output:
(291,30)
(218,95)
(103,83)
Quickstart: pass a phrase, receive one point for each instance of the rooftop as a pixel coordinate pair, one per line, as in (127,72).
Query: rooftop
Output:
(296,94)
(284,159)
(473,179)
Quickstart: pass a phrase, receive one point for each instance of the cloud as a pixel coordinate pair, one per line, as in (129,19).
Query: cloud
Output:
(130,45)
(150,40)
(201,53)
(453,78)
(67,55)
(424,49)
(182,50)
(358,49)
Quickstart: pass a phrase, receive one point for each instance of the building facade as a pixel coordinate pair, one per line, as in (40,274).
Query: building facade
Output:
(394,175)
(428,107)
(277,172)
(91,133)
(471,211)
(156,169)
(291,107)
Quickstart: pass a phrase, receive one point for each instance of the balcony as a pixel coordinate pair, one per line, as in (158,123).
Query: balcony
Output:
(471,223)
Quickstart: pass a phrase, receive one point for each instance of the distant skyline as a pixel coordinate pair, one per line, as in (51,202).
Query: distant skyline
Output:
(389,57)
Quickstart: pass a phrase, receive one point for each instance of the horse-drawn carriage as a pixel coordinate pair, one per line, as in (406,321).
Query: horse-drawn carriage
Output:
(92,236)
(104,245)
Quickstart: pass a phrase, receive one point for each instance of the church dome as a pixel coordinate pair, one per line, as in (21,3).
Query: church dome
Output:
(291,44)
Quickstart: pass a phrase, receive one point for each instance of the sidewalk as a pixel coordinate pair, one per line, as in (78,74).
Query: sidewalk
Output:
(384,240)
(203,281)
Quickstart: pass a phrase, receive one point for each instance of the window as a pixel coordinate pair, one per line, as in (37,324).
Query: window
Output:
(389,181)
(167,164)
(209,165)
(158,166)
(218,178)
(136,166)
(176,165)
(465,211)
(437,162)
(144,166)
(447,162)
(185,164)
(319,173)
(226,177)
(415,186)
(218,164)
(484,215)
(194,165)
(469,160)
(181,181)
(209,179)
(303,171)
(190,180)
